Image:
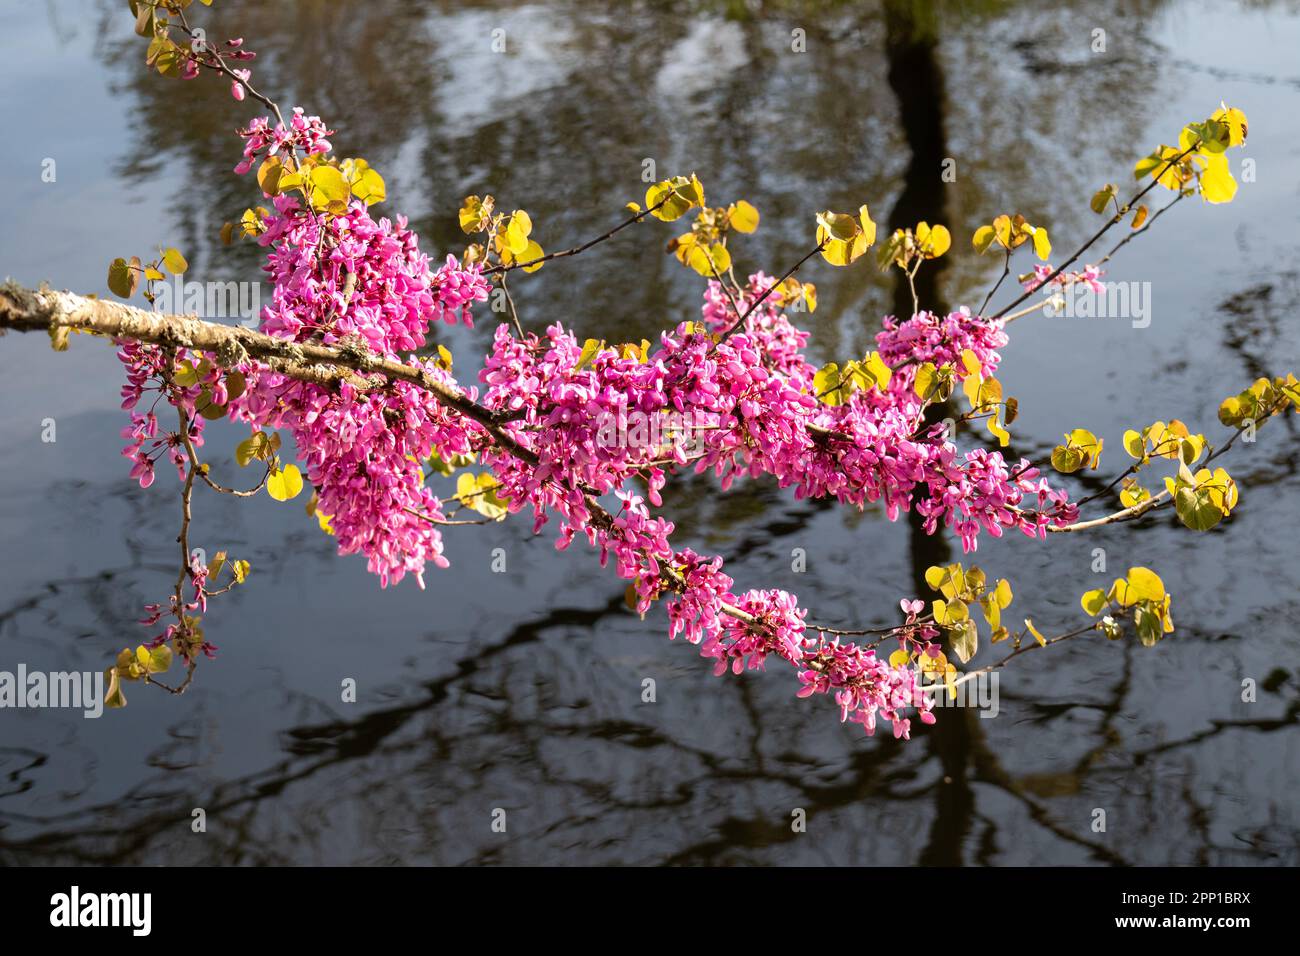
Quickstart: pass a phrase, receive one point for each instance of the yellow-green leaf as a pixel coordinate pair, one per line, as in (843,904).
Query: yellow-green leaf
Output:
(285,484)
(174,262)
(1042,641)
(744,217)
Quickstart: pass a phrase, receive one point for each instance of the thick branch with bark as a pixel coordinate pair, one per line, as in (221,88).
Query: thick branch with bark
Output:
(34,310)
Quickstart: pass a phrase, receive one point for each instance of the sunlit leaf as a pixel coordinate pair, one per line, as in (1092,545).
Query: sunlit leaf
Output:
(744,217)
(285,484)
(174,262)
(122,279)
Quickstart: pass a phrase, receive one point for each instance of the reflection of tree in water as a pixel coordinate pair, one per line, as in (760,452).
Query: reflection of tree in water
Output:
(583,97)
(416,782)
(523,724)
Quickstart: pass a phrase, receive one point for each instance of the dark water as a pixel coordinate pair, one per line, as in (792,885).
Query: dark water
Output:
(522,690)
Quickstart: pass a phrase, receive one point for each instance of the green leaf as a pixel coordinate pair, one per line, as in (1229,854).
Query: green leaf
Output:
(1149,626)
(113,697)
(160,659)
(208,408)
(964,641)
(185,374)
(1102,197)
(1195,509)
(122,279)
(1066,460)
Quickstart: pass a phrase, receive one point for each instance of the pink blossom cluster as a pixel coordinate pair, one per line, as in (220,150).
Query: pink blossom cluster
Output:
(1089,276)
(197,573)
(261,139)
(354,281)
(349,275)
(743,645)
(342,279)
(348,279)
(456,288)
(148,370)
(201,54)
(866,686)
(761,423)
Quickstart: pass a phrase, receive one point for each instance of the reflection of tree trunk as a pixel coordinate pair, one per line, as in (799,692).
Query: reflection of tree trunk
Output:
(917,82)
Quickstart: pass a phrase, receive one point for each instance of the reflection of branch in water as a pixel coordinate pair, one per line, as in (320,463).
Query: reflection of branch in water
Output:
(315,749)
(336,742)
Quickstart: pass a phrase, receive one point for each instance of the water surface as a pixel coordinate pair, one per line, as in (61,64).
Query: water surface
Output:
(522,690)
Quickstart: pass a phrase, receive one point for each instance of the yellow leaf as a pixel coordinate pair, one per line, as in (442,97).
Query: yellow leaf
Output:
(474,212)
(1042,245)
(1217,184)
(174,262)
(1143,584)
(329,190)
(708,260)
(744,217)
(879,371)
(933,240)
(532,253)
(1158,162)
(285,484)
(998,431)
(868,235)
(1093,601)
(1002,230)
(1102,197)
(1042,641)
(1134,444)
(268,175)
(368,185)
(1235,121)
(516,232)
